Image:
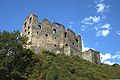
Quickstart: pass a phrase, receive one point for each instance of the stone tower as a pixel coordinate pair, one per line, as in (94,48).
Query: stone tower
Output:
(92,56)
(51,36)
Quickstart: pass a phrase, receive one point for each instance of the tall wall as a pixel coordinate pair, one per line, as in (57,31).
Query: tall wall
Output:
(51,36)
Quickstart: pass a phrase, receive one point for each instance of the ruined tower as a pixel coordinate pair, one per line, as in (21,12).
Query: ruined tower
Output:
(92,56)
(51,36)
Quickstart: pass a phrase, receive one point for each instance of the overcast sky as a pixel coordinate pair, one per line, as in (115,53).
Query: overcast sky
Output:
(97,21)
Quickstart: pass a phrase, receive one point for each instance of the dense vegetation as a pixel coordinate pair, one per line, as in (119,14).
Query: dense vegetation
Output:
(15,61)
(18,63)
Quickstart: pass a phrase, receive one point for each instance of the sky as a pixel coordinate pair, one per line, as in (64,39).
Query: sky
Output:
(97,21)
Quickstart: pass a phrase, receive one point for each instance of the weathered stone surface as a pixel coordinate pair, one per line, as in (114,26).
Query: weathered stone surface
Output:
(54,37)
(92,56)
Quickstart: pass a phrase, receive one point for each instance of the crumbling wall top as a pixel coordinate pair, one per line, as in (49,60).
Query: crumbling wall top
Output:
(57,25)
(45,21)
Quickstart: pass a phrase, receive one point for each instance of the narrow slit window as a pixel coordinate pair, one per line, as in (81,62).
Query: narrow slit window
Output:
(73,42)
(65,34)
(25,24)
(28,27)
(30,19)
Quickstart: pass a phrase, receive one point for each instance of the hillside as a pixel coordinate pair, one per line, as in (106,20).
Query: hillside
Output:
(18,63)
(62,67)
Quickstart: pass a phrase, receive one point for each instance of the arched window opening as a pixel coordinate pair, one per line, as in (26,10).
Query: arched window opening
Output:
(54,31)
(39,26)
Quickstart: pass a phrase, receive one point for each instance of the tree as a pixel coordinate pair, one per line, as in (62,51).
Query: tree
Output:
(15,61)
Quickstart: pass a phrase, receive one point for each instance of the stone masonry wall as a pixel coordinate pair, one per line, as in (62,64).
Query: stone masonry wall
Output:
(92,56)
(53,37)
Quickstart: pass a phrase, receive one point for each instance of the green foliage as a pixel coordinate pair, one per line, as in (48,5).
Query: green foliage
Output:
(15,61)
(18,63)
(62,67)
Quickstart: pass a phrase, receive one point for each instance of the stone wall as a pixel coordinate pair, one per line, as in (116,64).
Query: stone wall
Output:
(92,56)
(53,37)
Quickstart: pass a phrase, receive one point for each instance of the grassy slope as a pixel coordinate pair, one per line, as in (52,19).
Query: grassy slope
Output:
(62,67)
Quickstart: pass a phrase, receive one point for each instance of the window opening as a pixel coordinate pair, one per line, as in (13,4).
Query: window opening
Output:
(37,32)
(30,19)
(66,44)
(25,24)
(39,26)
(25,30)
(46,35)
(73,42)
(55,45)
(28,27)
(55,37)
(65,34)
(28,33)
(54,31)
(76,40)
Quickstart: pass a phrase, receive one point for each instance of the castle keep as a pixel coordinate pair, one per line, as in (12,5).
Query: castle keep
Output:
(51,36)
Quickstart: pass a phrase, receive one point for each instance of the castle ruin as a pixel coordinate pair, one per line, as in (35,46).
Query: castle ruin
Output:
(51,36)
(92,56)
